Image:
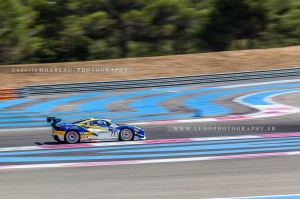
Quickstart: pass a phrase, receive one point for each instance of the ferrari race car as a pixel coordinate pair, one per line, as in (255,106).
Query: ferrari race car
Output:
(93,130)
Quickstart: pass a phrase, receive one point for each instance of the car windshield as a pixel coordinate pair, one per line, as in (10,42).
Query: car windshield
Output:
(115,122)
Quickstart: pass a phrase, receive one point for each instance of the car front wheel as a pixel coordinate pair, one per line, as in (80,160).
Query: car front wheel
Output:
(126,135)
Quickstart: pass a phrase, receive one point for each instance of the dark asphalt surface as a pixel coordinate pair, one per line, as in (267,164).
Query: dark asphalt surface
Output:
(203,179)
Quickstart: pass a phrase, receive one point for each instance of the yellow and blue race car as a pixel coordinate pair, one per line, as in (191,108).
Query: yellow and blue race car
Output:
(93,130)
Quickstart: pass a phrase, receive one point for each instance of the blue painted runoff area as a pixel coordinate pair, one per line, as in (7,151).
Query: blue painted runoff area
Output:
(151,105)
(100,104)
(24,123)
(48,105)
(205,104)
(137,156)
(138,147)
(141,151)
(260,98)
(202,103)
(8,103)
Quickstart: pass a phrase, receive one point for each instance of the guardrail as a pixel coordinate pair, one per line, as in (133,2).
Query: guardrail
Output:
(156,82)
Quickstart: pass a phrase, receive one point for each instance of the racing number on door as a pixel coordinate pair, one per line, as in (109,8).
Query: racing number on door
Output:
(113,132)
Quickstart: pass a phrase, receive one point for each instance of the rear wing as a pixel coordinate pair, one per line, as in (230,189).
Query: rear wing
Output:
(53,120)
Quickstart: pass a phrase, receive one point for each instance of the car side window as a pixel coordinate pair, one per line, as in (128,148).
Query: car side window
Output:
(102,123)
(92,123)
(85,123)
(108,123)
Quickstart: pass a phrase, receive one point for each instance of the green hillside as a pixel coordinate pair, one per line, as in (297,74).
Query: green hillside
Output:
(39,31)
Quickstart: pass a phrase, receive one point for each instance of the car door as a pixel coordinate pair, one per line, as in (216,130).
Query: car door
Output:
(104,131)
(100,132)
(114,132)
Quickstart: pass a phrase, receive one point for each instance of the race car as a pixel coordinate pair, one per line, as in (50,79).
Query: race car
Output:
(93,130)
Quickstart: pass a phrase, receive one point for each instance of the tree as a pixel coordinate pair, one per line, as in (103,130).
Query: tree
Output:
(34,31)
(290,22)
(170,20)
(233,19)
(45,41)
(15,19)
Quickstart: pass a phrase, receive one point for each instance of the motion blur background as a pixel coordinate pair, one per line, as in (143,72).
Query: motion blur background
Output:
(69,34)
(38,31)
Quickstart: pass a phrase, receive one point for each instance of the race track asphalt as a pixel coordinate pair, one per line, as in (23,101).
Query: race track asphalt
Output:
(198,179)
(203,179)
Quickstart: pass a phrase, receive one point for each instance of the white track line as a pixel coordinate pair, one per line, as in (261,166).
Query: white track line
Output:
(132,162)
(270,196)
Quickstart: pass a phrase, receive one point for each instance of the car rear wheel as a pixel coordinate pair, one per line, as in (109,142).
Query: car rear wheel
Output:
(72,137)
(126,135)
